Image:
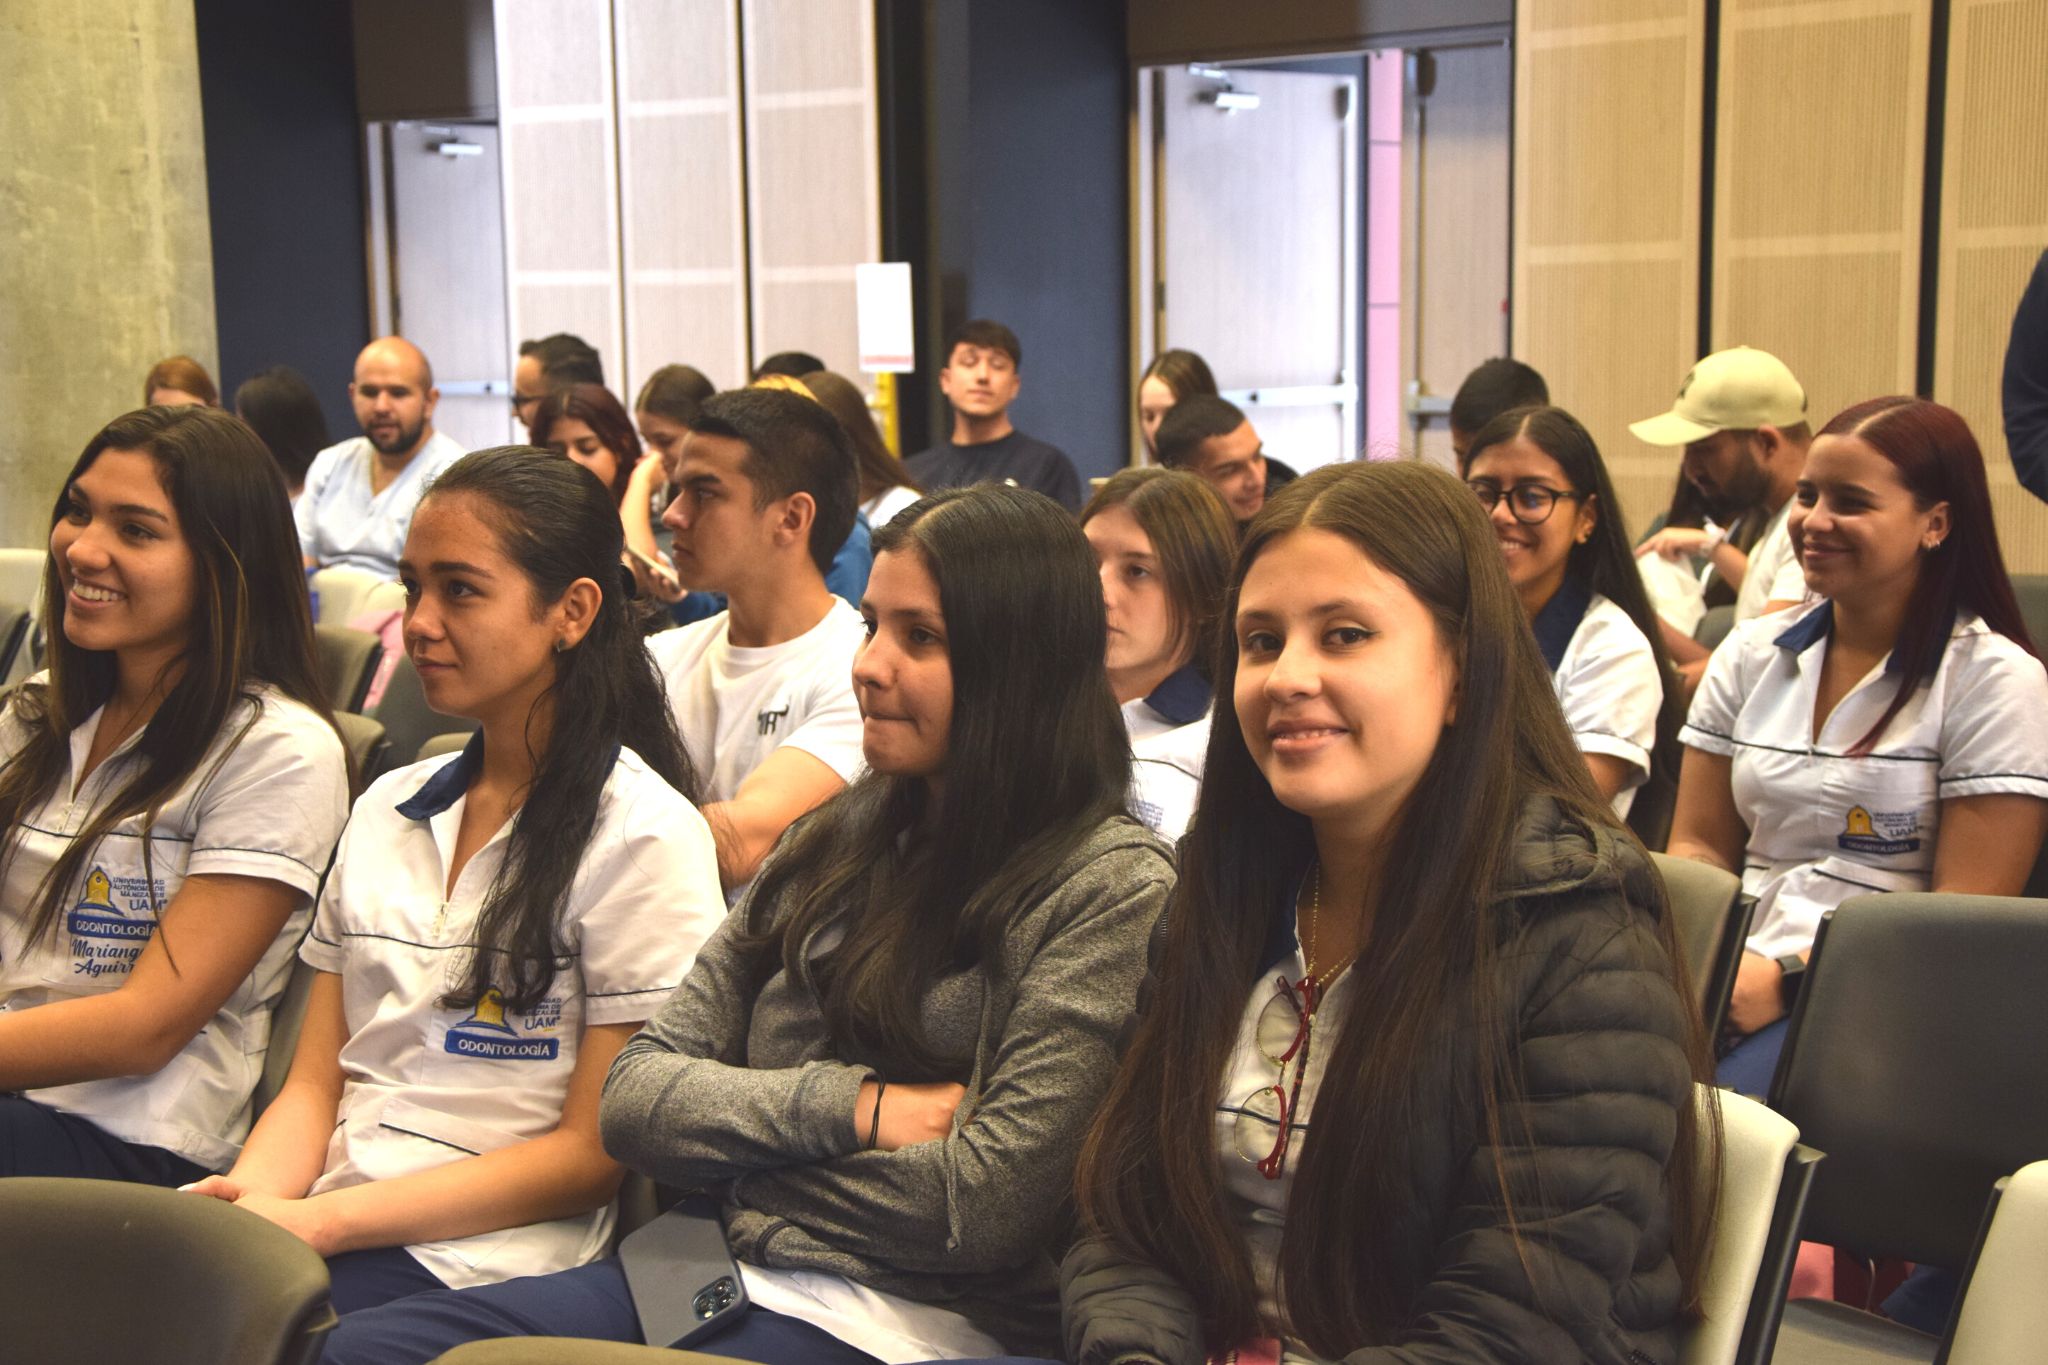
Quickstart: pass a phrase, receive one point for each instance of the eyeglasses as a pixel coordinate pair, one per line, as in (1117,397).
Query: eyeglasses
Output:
(1529,503)
(1264,1121)
(525,400)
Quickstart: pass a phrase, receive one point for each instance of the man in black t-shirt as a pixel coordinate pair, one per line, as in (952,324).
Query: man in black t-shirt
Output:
(980,381)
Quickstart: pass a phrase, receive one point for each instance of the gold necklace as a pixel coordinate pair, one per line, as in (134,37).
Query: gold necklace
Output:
(1315,917)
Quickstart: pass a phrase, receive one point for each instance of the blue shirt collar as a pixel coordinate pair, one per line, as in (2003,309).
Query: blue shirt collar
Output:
(1810,629)
(1184,697)
(1559,620)
(448,783)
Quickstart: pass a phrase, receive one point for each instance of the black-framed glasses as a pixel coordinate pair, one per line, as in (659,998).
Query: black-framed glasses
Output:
(1529,503)
(525,400)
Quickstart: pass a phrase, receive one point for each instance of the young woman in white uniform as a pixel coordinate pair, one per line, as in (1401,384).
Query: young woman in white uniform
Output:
(1163,542)
(170,792)
(1542,482)
(884,1061)
(497,924)
(1893,737)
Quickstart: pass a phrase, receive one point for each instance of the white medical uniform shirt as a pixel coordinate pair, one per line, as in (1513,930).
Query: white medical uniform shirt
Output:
(1606,678)
(1169,731)
(736,706)
(1825,826)
(342,522)
(426,1085)
(1774,574)
(882,508)
(267,800)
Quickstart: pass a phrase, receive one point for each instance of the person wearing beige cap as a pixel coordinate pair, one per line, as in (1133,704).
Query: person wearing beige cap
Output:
(1741,416)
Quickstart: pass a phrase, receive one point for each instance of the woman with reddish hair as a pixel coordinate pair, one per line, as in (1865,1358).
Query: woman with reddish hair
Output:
(1893,737)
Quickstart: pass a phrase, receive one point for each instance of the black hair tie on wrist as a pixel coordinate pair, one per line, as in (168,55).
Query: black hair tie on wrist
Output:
(875,1123)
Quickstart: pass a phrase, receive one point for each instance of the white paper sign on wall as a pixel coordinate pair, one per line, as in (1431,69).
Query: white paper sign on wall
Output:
(882,299)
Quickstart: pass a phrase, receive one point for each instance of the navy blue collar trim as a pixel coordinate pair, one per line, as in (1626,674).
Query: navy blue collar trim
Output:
(1184,697)
(1810,629)
(1559,620)
(447,785)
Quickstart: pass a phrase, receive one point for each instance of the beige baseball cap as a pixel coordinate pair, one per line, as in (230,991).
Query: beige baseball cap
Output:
(1739,389)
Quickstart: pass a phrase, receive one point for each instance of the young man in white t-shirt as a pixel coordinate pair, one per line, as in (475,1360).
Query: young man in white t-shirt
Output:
(763,691)
(1741,416)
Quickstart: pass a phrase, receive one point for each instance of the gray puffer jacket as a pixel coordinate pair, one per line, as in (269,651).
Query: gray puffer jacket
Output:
(1603,1074)
(737,1083)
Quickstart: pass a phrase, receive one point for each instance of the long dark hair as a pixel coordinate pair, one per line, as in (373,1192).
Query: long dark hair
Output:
(1427,1000)
(1938,461)
(1037,758)
(1193,539)
(1606,562)
(1185,372)
(556,521)
(675,392)
(251,625)
(594,406)
(281,407)
(879,470)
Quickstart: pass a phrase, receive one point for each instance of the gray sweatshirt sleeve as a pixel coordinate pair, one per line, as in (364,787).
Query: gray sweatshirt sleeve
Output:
(681,1104)
(988,1196)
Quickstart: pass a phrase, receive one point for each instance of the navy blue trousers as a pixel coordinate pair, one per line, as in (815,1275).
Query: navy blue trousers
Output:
(38,1140)
(1747,1067)
(590,1301)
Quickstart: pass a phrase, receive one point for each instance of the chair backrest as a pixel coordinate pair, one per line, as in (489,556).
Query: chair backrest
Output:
(347,659)
(14,623)
(285,1023)
(2031,592)
(1714,626)
(1757,1159)
(1711,917)
(1914,1061)
(340,592)
(2004,1311)
(442,744)
(384,597)
(406,717)
(199,1279)
(21,578)
(368,748)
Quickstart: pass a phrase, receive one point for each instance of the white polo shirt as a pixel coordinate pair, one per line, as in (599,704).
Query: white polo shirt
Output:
(1774,574)
(1169,732)
(425,1085)
(267,800)
(342,522)
(1606,678)
(736,706)
(1824,825)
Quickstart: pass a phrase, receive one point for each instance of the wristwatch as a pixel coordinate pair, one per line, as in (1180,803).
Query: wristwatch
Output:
(1793,968)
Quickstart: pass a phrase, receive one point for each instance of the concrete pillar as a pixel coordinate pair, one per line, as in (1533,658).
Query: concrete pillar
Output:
(106,260)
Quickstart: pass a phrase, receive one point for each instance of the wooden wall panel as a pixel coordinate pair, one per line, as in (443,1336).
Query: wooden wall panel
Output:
(1607,160)
(1994,226)
(813,172)
(560,172)
(683,219)
(1821,147)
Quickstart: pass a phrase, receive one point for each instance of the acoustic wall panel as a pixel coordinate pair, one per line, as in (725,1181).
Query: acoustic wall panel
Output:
(1607,166)
(1821,144)
(813,172)
(681,188)
(1994,226)
(560,172)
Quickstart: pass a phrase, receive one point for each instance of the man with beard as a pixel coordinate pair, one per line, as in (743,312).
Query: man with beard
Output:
(1741,417)
(360,494)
